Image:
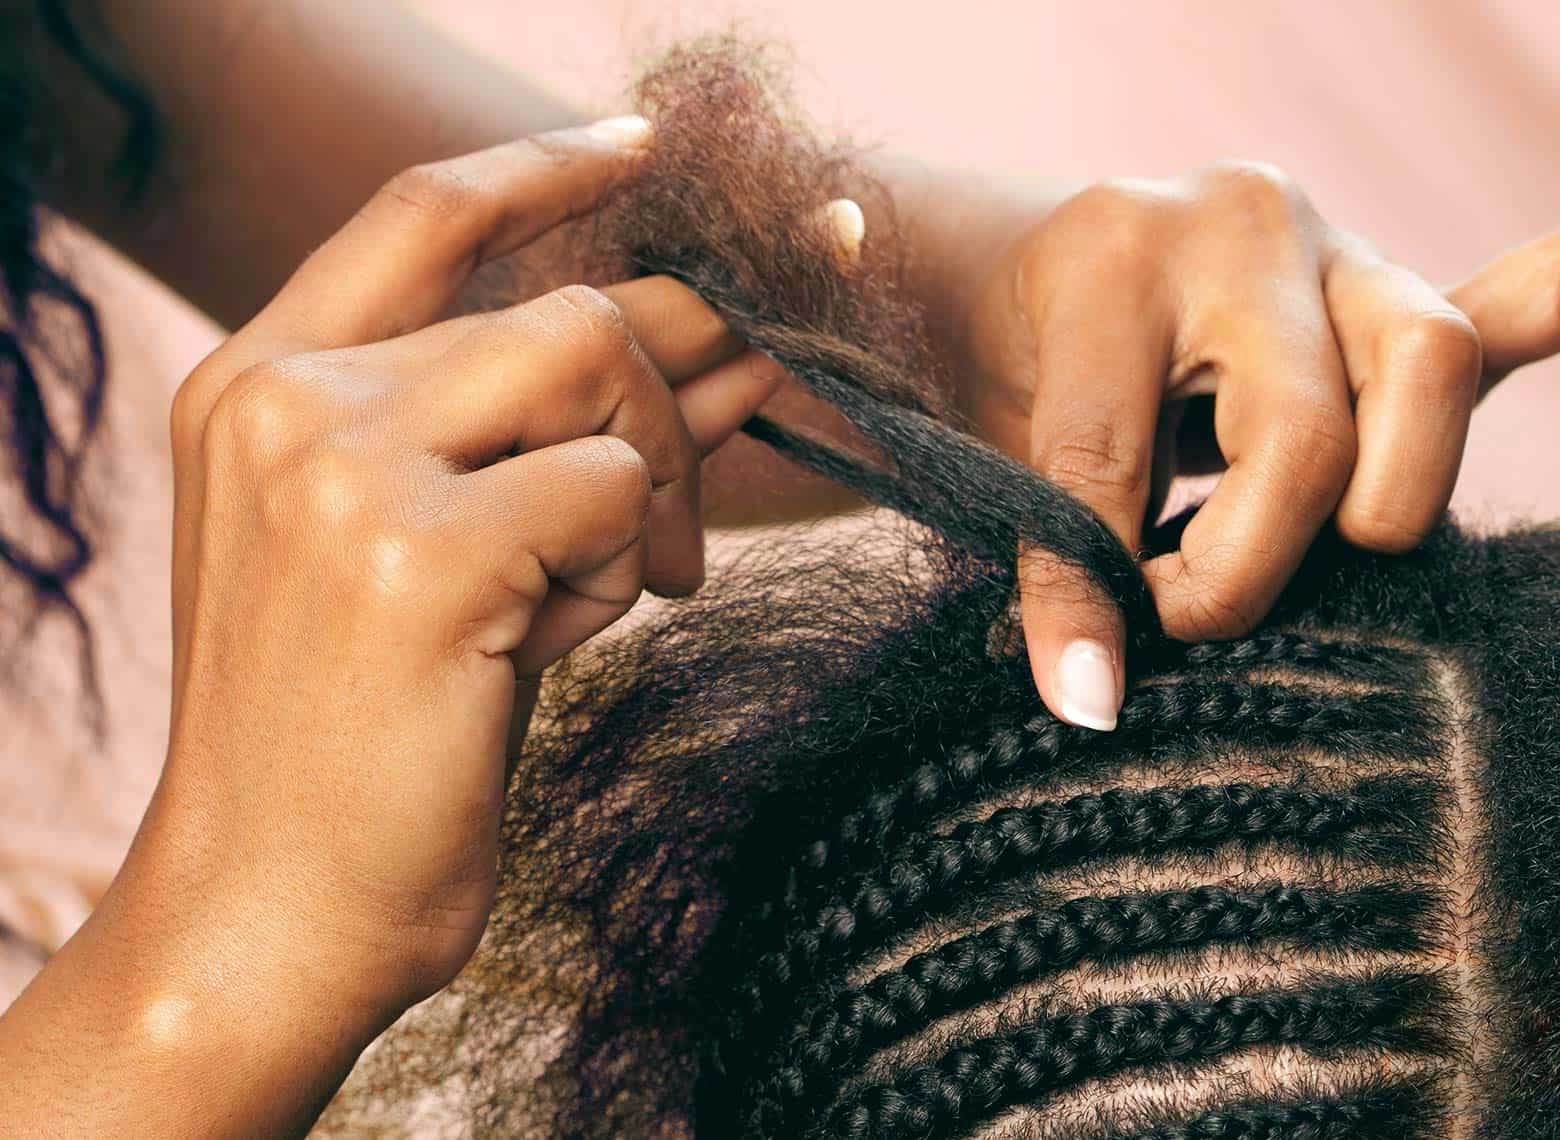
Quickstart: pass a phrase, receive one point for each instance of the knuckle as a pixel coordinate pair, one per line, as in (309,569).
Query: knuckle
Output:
(1440,349)
(1375,524)
(328,491)
(1258,190)
(1119,220)
(435,190)
(1094,456)
(624,474)
(598,329)
(262,416)
(187,415)
(597,315)
(376,537)
(1222,610)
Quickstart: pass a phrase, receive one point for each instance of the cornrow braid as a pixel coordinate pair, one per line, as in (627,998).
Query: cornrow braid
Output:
(1344,659)
(1378,818)
(1394,1010)
(983,965)
(1400,1110)
(1157,722)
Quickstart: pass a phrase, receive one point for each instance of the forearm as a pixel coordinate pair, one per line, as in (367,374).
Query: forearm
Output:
(171,1015)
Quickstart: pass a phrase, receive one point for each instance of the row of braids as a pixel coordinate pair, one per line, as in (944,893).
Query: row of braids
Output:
(1157,722)
(1013,952)
(1380,819)
(1404,1109)
(1390,1011)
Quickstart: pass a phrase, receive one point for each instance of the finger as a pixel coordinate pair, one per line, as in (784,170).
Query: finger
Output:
(1103,349)
(1414,363)
(681,335)
(401,261)
(575,513)
(716,404)
(560,368)
(1514,303)
(1283,420)
(577,610)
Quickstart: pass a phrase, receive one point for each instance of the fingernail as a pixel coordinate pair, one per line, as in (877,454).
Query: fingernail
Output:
(621,130)
(849,225)
(1086,686)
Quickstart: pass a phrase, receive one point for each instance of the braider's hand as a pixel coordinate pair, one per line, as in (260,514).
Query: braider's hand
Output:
(386,522)
(1343,388)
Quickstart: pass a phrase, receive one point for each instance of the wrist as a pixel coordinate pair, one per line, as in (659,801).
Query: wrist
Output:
(956,229)
(219,933)
(160,1018)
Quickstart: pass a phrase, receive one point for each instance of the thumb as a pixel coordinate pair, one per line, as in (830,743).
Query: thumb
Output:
(1514,303)
(1093,438)
(1075,637)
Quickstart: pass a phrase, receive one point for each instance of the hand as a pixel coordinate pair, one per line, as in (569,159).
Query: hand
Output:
(1343,388)
(384,522)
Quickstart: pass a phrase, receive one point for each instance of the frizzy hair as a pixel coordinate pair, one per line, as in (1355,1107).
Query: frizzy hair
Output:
(805,857)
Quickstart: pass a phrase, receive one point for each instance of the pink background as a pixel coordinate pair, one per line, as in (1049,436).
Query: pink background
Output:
(1430,126)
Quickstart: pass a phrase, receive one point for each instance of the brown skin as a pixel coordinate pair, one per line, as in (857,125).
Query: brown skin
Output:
(388,523)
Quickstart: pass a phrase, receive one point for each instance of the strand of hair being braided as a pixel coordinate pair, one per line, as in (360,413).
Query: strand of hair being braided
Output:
(781,288)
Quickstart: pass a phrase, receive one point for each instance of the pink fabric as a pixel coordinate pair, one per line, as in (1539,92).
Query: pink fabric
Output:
(1427,125)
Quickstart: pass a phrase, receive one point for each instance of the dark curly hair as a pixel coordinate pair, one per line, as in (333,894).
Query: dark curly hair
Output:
(49,334)
(804,856)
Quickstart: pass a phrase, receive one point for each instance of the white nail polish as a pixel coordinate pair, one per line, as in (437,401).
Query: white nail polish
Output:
(1086,686)
(849,225)
(622,130)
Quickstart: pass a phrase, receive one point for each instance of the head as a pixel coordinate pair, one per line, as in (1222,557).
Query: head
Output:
(805,856)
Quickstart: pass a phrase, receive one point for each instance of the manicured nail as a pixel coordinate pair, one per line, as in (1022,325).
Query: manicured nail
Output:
(849,225)
(1086,686)
(621,130)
